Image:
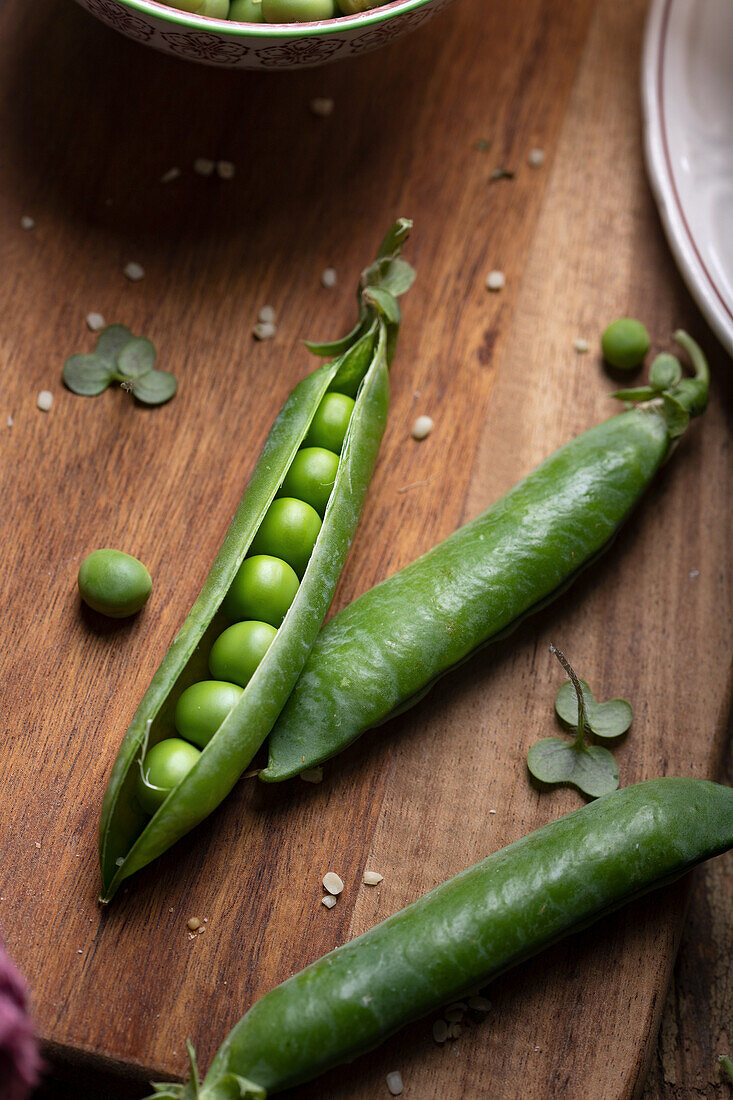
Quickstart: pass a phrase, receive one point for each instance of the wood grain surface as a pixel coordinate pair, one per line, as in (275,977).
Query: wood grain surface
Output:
(88,124)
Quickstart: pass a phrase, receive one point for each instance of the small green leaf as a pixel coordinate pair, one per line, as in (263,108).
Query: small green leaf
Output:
(385,303)
(675,415)
(87,375)
(136,358)
(111,341)
(665,372)
(611,719)
(154,388)
(566,703)
(396,276)
(639,393)
(591,769)
(334,348)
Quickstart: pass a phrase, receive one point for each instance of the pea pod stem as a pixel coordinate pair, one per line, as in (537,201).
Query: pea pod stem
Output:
(451,942)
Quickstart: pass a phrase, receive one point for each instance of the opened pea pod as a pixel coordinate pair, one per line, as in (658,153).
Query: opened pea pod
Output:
(233,663)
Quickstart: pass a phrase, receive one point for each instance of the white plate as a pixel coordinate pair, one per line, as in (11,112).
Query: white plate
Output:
(687,94)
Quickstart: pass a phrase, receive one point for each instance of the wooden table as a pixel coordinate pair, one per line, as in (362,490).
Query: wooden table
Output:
(89,124)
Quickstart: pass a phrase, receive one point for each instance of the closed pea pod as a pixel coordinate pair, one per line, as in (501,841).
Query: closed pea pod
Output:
(129,839)
(451,942)
(480,582)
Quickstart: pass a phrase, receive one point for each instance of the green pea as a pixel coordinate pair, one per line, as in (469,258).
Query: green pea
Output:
(214,9)
(114,583)
(328,426)
(263,589)
(298,11)
(288,531)
(203,707)
(246,11)
(311,477)
(353,7)
(625,343)
(237,652)
(165,765)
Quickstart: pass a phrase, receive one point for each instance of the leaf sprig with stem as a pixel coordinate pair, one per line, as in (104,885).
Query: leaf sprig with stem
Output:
(590,768)
(124,358)
(681,397)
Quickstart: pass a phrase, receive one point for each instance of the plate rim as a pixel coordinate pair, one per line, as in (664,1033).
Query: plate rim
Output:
(699,280)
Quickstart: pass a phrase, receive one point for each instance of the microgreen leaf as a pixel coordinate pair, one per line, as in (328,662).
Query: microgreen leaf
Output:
(398,233)
(385,303)
(87,375)
(136,358)
(665,371)
(111,341)
(589,768)
(154,388)
(396,276)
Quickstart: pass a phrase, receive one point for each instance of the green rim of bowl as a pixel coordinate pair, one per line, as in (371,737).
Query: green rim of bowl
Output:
(272,30)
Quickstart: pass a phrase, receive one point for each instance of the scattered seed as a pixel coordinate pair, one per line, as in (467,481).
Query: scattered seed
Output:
(394,1083)
(202,166)
(479,1004)
(312,775)
(267,315)
(171,909)
(38,844)
(329,278)
(95,322)
(536,158)
(134,272)
(501,174)
(322,106)
(581,346)
(45,400)
(440,1031)
(10,421)
(193,923)
(332,883)
(170,175)
(328,901)
(422,427)
(264,330)
(201,930)
(492,811)
(694,573)
(372,878)
(80,952)
(225,170)
(27,223)
(495,280)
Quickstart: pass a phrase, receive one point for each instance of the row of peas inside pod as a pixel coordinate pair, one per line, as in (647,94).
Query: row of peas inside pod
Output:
(276,11)
(256,603)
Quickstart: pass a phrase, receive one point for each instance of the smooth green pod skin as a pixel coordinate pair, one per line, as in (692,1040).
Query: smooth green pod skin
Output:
(114,583)
(311,477)
(203,707)
(454,940)
(264,588)
(126,834)
(471,588)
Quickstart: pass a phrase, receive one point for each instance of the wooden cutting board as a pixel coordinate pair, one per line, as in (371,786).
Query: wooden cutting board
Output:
(88,125)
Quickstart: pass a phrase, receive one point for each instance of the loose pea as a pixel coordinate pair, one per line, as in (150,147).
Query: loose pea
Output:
(263,589)
(203,707)
(246,11)
(114,583)
(237,652)
(165,765)
(288,531)
(625,343)
(298,11)
(311,477)
(328,426)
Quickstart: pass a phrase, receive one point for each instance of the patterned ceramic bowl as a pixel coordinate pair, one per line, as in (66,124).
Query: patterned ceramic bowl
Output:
(261,45)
